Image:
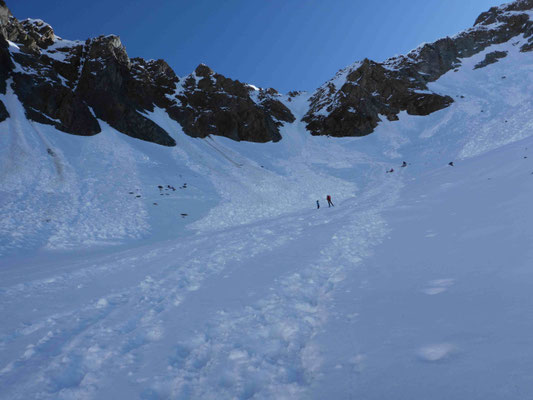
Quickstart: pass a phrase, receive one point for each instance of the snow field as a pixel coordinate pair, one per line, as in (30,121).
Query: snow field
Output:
(275,319)
(441,315)
(415,285)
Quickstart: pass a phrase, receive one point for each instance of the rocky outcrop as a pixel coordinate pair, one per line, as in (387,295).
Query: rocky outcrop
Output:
(41,33)
(75,83)
(209,103)
(269,101)
(72,85)
(368,91)
(107,85)
(55,105)
(3,112)
(491,58)
(352,103)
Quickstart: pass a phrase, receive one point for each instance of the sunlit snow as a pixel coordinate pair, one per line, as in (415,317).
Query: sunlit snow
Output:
(205,271)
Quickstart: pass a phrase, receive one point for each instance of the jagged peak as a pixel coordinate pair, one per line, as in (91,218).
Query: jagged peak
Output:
(203,71)
(113,40)
(158,66)
(42,32)
(154,70)
(105,46)
(36,23)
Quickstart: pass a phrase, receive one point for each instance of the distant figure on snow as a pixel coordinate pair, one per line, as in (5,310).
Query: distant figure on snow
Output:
(330,203)
(450,163)
(404,164)
(317,205)
(390,171)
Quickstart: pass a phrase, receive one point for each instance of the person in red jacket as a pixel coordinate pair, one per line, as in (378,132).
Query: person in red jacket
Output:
(330,203)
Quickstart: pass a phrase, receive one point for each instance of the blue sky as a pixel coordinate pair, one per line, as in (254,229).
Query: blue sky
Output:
(285,44)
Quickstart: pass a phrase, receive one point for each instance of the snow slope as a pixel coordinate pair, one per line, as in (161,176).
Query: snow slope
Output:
(441,310)
(414,286)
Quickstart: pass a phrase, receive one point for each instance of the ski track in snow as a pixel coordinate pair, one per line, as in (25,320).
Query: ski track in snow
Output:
(67,352)
(266,349)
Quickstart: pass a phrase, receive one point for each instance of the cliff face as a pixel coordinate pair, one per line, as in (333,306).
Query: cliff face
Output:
(74,84)
(205,103)
(352,102)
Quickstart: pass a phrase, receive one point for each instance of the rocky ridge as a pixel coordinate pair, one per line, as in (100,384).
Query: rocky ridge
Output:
(73,85)
(205,102)
(352,103)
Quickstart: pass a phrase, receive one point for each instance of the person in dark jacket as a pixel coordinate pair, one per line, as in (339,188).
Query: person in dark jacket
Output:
(317,205)
(330,203)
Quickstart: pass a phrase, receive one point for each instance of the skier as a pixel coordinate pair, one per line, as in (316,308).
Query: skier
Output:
(317,205)
(390,171)
(451,164)
(330,203)
(404,164)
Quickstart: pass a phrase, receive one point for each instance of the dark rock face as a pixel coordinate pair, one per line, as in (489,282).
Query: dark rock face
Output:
(352,102)
(368,91)
(6,66)
(268,100)
(491,58)
(5,59)
(47,99)
(65,87)
(107,85)
(153,80)
(55,105)
(209,103)
(73,84)
(3,112)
